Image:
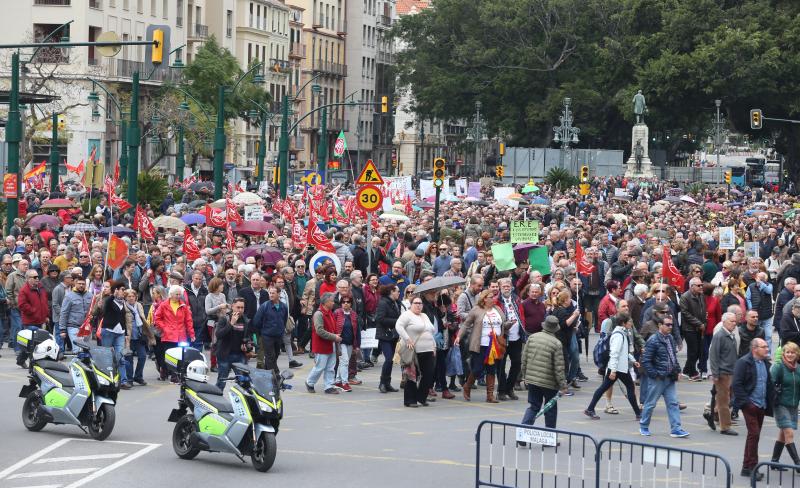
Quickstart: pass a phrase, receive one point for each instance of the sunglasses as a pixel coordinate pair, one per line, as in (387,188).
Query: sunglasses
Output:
(346,301)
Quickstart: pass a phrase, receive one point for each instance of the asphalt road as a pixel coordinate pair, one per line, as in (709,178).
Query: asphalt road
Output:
(362,437)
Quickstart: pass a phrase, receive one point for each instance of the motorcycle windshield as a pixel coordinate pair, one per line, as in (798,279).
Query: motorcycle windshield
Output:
(264,382)
(103,358)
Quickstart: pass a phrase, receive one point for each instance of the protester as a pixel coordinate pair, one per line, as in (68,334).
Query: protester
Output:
(543,372)
(416,332)
(323,340)
(723,355)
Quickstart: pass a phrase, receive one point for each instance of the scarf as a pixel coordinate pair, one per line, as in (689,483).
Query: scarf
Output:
(790,367)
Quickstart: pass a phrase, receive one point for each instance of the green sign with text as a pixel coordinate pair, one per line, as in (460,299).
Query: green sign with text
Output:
(525,231)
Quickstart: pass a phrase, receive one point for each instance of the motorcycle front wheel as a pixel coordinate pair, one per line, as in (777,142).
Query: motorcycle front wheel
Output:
(32,418)
(181,438)
(264,452)
(102,423)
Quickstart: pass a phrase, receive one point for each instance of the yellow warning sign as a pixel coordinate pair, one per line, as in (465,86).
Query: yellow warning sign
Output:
(369,175)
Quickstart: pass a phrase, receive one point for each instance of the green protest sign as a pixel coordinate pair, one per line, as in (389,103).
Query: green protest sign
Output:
(525,231)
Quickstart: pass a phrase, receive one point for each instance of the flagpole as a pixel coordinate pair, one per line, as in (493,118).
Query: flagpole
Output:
(110,235)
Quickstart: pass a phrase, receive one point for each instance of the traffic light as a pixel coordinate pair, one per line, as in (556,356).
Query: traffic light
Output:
(728,175)
(158,47)
(62,122)
(439,172)
(502,149)
(384,104)
(584,173)
(499,171)
(756,118)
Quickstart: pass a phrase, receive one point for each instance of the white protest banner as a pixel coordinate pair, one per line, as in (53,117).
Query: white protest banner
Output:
(621,192)
(474,189)
(727,238)
(501,194)
(426,189)
(368,340)
(525,231)
(461,187)
(751,249)
(254,212)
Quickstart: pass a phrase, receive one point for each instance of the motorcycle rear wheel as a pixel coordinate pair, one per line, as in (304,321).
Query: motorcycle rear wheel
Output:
(181,438)
(264,452)
(31,414)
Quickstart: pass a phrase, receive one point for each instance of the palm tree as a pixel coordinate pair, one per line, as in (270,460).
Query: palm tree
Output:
(152,187)
(560,178)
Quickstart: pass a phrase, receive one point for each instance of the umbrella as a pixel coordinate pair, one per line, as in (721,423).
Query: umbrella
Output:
(673,199)
(717,207)
(688,199)
(657,233)
(541,201)
(37,220)
(521,251)
(55,203)
(167,222)
(218,204)
(563,201)
(439,283)
(116,230)
(471,199)
(254,228)
(530,188)
(657,209)
(735,204)
(207,185)
(392,215)
(194,218)
(425,205)
(734,191)
(760,204)
(755,212)
(80,226)
(514,195)
(196,204)
(270,254)
(247,198)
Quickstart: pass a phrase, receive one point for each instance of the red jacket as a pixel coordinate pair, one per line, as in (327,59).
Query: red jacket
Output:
(713,314)
(33,305)
(606,309)
(175,326)
(339,316)
(321,345)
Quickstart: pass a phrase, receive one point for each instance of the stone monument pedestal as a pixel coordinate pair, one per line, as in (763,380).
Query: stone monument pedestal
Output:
(640,133)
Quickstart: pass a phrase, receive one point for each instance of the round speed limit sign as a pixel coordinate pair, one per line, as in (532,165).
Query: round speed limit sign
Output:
(370,198)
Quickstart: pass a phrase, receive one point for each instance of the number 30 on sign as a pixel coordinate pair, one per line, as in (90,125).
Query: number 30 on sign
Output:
(369,198)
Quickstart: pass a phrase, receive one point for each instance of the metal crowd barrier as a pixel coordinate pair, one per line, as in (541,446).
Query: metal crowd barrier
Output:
(786,477)
(523,456)
(547,457)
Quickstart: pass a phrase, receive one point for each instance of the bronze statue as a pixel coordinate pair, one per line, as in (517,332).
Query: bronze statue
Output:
(639,107)
(638,154)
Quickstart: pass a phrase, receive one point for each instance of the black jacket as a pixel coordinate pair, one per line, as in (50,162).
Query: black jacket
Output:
(783,298)
(744,382)
(250,306)
(229,339)
(197,303)
(761,301)
(789,329)
(746,337)
(113,315)
(360,260)
(386,316)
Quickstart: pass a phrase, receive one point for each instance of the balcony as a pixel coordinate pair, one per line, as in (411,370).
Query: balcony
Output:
(124,68)
(341,29)
(96,4)
(279,66)
(384,57)
(200,31)
(310,123)
(297,51)
(58,3)
(384,22)
(334,69)
(318,21)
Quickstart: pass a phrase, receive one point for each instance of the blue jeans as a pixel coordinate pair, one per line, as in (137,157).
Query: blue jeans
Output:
(224,367)
(117,342)
(16,325)
(658,387)
(5,330)
(573,359)
(139,349)
(72,332)
(387,348)
(703,366)
(767,325)
(58,338)
(323,363)
(538,396)
(344,361)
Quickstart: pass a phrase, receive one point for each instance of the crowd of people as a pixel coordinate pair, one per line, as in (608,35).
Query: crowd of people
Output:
(449,318)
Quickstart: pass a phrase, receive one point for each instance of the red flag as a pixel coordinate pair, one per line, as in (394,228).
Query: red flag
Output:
(582,264)
(84,243)
(408,207)
(317,238)
(143,225)
(85,329)
(215,217)
(299,235)
(117,252)
(671,274)
(190,249)
(120,203)
(116,174)
(80,168)
(233,212)
(108,187)
(230,241)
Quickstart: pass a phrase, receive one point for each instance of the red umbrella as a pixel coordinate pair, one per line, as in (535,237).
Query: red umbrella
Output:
(254,228)
(58,203)
(269,253)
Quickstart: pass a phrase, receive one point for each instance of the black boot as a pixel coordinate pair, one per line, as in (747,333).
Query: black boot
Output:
(792,450)
(776,456)
(382,386)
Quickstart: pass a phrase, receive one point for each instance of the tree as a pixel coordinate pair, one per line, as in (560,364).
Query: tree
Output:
(152,187)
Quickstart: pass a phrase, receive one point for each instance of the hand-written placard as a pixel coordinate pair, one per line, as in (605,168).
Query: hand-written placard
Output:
(526,231)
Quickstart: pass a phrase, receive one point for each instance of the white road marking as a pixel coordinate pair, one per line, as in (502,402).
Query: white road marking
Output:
(60,472)
(33,457)
(39,486)
(81,458)
(116,465)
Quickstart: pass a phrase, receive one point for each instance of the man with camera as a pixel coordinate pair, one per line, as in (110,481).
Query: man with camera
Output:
(232,344)
(660,363)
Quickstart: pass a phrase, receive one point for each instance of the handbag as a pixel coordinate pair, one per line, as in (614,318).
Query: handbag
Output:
(455,366)
(502,344)
(290,325)
(407,356)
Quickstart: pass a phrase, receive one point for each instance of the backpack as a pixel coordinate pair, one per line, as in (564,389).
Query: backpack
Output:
(601,352)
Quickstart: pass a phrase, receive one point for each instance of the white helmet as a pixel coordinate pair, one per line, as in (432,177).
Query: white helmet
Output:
(48,349)
(197,371)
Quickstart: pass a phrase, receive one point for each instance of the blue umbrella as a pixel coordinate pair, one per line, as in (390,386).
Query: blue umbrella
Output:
(541,201)
(117,230)
(194,218)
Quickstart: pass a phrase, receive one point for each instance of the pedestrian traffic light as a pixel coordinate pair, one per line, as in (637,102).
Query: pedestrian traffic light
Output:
(158,47)
(499,171)
(755,118)
(584,173)
(439,172)
(728,175)
(384,104)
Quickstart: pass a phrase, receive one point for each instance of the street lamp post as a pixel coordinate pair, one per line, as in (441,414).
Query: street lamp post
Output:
(717,127)
(566,134)
(94,102)
(477,134)
(264,117)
